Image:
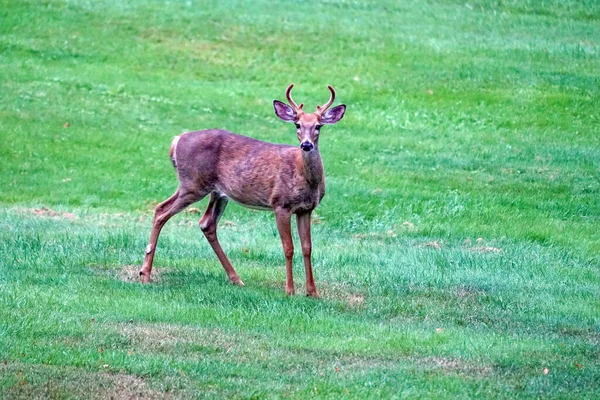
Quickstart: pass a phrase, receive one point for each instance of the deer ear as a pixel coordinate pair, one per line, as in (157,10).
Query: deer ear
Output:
(284,111)
(334,114)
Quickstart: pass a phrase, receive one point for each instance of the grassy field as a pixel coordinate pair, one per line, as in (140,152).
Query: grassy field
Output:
(456,251)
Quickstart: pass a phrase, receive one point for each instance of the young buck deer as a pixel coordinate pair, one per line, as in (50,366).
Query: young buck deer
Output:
(256,174)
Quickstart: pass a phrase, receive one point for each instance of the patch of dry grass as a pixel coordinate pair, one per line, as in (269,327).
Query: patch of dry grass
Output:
(149,337)
(44,212)
(39,381)
(131,274)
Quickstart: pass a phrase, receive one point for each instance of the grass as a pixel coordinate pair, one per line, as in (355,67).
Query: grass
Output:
(456,249)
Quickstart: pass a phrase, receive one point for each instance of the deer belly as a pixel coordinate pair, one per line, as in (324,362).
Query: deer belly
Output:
(253,207)
(248,198)
(249,204)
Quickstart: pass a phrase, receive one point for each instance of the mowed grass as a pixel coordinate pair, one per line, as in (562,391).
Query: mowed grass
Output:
(456,249)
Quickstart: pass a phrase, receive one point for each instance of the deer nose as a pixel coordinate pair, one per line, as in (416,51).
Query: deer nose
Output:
(306,146)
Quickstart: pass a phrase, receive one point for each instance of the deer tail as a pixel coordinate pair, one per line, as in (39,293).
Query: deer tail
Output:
(173,151)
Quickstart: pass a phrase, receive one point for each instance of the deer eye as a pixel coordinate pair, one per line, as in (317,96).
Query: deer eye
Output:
(297,126)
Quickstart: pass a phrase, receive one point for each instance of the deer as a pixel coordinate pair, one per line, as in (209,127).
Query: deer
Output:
(285,179)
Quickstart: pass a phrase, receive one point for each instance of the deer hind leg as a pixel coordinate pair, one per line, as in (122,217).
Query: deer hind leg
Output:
(283,218)
(163,212)
(208,225)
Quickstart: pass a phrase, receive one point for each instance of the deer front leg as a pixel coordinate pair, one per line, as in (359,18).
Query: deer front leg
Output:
(303,221)
(283,218)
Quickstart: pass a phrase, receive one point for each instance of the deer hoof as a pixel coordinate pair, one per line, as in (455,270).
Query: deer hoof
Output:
(145,278)
(290,291)
(237,282)
(313,293)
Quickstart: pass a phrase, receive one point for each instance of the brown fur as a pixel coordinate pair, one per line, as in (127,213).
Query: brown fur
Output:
(251,172)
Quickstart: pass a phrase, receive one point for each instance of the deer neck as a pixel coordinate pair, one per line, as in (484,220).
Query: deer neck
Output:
(313,166)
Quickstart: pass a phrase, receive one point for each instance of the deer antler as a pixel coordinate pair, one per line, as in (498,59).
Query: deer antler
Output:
(321,110)
(288,94)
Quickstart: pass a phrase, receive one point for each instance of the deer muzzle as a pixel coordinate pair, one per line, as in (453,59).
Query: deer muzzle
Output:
(306,146)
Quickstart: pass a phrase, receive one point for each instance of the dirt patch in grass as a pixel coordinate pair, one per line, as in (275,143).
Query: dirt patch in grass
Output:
(131,274)
(327,291)
(408,225)
(480,247)
(343,293)
(154,337)
(485,249)
(110,220)
(27,381)
(131,387)
(44,212)
(376,235)
(356,300)
(436,364)
(127,273)
(467,292)
(455,365)
(433,245)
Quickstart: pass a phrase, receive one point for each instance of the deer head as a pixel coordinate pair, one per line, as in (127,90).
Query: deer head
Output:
(308,126)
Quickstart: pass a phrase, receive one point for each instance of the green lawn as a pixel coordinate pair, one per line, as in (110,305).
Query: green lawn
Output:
(457,250)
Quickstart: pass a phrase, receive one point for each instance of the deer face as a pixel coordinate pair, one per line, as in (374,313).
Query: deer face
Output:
(308,126)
